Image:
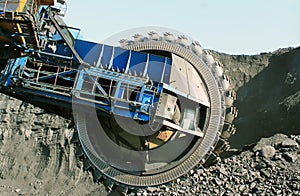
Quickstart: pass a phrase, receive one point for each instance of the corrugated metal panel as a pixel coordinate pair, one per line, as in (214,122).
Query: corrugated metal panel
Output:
(156,68)
(138,62)
(88,51)
(107,53)
(120,59)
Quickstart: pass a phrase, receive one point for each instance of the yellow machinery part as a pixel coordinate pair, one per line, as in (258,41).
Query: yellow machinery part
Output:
(22,4)
(160,139)
(20,31)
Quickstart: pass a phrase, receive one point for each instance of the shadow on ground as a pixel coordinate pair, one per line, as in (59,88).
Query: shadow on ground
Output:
(269,103)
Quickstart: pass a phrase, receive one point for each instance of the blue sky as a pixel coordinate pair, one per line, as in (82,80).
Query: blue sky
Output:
(230,26)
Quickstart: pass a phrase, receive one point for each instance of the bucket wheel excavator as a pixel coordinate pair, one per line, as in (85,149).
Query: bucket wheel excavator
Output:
(146,112)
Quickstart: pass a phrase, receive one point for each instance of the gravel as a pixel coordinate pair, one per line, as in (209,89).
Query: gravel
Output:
(248,173)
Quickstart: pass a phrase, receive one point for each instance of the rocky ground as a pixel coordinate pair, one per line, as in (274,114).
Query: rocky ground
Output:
(270,167)
(37,149)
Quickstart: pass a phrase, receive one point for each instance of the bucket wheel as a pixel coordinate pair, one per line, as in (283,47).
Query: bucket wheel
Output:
(130,154)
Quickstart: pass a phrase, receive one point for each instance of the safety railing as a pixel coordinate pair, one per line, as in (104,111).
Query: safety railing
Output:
(3,5)
(46,77)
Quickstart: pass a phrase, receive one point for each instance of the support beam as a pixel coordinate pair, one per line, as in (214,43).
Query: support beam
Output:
(70,45)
